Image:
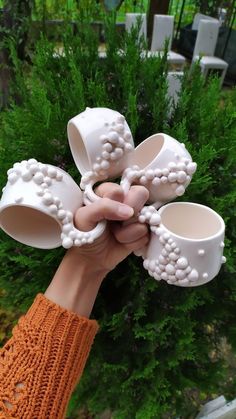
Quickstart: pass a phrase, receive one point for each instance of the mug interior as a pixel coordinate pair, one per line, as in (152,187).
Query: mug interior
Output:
(30,226)
(78,149)
(191,221)
(146,152)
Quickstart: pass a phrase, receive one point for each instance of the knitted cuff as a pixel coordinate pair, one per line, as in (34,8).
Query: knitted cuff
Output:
(47,315)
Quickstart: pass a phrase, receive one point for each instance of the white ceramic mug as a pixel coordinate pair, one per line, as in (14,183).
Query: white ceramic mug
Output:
(101,143)
(38,204)
(163,166)
(186,245)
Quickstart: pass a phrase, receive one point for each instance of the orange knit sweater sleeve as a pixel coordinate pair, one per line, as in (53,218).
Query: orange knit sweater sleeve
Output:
(43,361)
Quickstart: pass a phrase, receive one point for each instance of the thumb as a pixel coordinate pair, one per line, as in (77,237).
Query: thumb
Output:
(87,217)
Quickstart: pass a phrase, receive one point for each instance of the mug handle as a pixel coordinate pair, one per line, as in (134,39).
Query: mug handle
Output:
(148,213)
(86,184)
(132,174)
(89,195)
(150,216)
(71,236)
(145,176)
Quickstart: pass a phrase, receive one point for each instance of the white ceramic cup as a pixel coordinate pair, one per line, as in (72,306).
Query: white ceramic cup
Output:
(186,245)
(101,144)
(38,204)
(163,166)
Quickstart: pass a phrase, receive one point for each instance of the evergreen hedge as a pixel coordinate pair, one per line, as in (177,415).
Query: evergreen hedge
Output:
(158,353)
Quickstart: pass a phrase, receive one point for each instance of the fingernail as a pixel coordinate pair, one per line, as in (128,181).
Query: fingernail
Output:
(125,211)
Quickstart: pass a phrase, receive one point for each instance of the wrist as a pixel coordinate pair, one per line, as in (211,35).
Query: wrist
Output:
(84,266)
(76,283)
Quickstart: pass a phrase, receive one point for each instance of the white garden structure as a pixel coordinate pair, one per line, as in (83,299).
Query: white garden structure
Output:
(204,49)
(163,29)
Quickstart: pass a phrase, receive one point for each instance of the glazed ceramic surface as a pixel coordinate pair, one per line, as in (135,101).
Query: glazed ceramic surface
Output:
(101,143)
(163,166)
(39,201)
(38,204)
(187,242)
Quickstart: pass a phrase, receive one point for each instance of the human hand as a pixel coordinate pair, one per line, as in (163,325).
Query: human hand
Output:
(82,270)
(123,234)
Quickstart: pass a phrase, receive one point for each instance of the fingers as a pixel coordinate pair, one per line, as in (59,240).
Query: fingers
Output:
(138,244)
(136,197)
(133,236)
(87,217)
(113,205)
(129,233)
(110,190)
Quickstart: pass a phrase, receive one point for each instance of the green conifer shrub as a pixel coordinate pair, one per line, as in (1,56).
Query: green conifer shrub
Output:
(159,345)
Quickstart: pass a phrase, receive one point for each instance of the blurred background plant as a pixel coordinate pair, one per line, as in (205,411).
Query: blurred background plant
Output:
(160,352)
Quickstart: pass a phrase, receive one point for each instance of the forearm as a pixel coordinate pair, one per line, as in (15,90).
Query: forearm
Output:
(76,283)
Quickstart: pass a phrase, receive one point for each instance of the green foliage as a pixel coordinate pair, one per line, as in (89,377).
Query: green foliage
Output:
(210,7)
(155,345)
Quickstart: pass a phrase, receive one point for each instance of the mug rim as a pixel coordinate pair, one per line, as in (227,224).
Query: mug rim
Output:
(80,135)
(193,204)
(79,161)
(142,144)
(164,138)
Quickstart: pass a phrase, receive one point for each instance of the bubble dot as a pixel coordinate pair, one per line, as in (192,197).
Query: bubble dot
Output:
(223,259)
(173,256)
(164,276)
(191,168)
(67,242)
(164,179)
(142,218)
(193,275)
(172,177)
(38,178)
(180,190)
(149,174)
(52,172)
(181,177)
(47,198)
(61,214)
(201,252)
(172,165)
(163,260)
(146,263)
(143,180)
(12,178)
(170,269)
(155,219)
(53,209)
(18,199)
(105,155)
(128,147)
(182,263)
(180,274)
(152,265)
(26,175)
(107,147)
(105,164)
(156,181)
